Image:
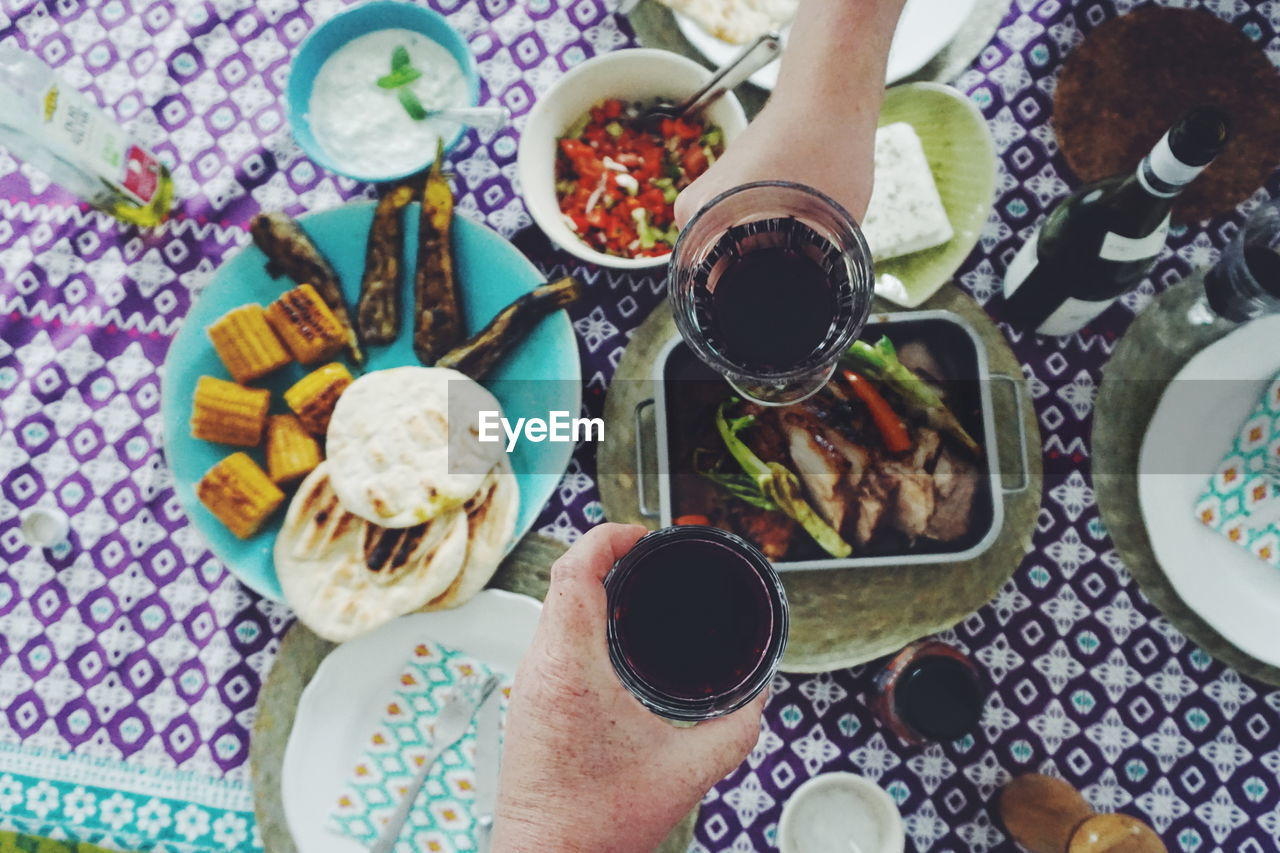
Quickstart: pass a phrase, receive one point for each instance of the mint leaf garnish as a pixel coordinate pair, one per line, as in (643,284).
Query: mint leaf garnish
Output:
(411,104)
(400,77)
(402,74)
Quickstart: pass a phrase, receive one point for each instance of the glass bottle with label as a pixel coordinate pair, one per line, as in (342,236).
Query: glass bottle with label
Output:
(1100,242)
(64,134)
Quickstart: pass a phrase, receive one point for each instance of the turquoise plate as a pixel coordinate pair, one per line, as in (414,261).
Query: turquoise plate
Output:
(492,273)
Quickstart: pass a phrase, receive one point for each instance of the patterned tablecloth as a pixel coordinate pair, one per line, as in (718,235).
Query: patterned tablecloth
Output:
(130,661)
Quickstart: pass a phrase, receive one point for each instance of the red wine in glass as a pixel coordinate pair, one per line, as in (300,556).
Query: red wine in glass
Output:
(697,622)
(767,296)
(1245,288)
(770,283)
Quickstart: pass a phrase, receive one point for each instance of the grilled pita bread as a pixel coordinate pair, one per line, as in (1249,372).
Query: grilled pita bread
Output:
(344,576)
(491,521)
(403,444)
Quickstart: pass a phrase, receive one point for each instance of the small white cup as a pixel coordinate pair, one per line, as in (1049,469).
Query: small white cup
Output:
(45,527)
(841,812)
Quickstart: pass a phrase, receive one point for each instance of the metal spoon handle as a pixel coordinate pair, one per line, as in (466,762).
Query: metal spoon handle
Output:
(481,118)
(751,59)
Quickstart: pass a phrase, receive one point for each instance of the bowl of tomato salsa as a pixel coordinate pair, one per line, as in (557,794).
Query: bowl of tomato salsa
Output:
(598,182)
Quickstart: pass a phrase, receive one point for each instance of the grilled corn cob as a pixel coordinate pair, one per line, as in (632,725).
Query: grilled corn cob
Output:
(313,396)
(240,494)
(306,325)
(291,451)
(246,344)
(228,413)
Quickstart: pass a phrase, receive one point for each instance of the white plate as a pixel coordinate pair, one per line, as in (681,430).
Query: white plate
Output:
(340,706)
(925,28)
(1195,425)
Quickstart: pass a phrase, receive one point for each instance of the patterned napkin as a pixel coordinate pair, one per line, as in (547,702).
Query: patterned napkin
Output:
(1233,504)
(442,818)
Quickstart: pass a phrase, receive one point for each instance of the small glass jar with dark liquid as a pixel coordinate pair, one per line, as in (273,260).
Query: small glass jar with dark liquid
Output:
(697,622)
(929,691)
(1245,282)
(770,283)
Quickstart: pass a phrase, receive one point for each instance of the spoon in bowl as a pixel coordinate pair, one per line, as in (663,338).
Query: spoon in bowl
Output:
(481,118)
(749,60)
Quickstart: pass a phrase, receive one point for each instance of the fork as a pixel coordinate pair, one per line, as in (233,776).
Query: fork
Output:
(451,723)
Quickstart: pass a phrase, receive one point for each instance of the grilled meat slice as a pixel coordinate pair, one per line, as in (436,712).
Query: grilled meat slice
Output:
(768,530)
(913,502)
(872,500)
(919,360)
(855,454)
(821,468)
(956,481)
(927,444)
(764,438)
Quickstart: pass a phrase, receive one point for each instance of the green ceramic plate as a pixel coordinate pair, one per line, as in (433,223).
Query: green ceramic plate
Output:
(962,156)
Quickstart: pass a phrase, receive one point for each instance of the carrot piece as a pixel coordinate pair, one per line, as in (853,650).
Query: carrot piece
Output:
(892,429)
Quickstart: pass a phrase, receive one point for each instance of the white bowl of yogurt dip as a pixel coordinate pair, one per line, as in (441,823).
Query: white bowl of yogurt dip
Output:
(362,80)
(841,813)
(641,75)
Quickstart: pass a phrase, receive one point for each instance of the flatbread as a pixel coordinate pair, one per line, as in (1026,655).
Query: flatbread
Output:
(325,558)
(403,444)
(491,522)
(736,21)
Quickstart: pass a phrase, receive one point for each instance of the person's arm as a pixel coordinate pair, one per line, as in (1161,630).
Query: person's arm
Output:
(586,768)
(818,127)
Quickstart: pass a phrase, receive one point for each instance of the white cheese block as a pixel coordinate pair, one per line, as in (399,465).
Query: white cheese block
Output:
(906,213)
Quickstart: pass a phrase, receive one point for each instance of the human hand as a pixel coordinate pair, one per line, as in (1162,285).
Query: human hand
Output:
(780,146)
(586,767)
(819,126)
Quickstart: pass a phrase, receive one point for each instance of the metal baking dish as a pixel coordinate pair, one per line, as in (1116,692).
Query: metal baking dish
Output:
(970,384)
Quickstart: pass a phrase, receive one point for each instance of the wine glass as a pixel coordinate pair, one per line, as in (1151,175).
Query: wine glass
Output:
(1245,282)
(770,283)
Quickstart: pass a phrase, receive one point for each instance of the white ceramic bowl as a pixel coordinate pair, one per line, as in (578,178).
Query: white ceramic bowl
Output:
(831,799)
(637,74)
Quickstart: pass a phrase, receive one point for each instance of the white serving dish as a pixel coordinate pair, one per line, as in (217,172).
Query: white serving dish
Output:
(637,74)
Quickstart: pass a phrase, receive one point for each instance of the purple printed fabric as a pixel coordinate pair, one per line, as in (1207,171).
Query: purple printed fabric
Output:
(130,659)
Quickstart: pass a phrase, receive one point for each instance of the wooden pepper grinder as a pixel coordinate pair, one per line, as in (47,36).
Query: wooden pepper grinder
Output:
(1047,815)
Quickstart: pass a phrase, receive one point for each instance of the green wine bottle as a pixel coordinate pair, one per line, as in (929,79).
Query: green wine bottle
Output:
(1100,242)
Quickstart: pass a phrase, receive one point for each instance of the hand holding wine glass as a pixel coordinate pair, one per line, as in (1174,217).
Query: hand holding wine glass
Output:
(586,767)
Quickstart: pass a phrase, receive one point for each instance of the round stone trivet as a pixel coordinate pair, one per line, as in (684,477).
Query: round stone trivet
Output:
(1158,344)
(845,617)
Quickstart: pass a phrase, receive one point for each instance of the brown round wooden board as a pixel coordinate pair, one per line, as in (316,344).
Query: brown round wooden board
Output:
(1131,79)
(845,617)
